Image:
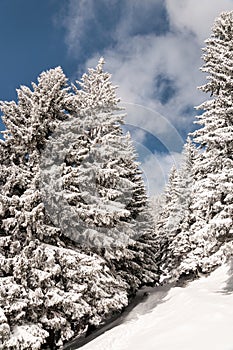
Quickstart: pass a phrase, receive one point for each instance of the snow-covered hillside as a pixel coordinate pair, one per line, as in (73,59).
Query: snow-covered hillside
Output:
(198,316)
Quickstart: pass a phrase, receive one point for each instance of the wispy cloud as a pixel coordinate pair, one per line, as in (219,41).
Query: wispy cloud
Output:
(153,50)
(91,26)
(196,17)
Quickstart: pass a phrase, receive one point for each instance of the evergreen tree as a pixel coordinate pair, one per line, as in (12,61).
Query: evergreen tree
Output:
(162,226)
(174,221)
(120,176)
(211,233)
(28,125)
(102,183)
(49,292)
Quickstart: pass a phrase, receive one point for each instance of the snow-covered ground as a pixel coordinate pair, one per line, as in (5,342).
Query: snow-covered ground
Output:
(198,316)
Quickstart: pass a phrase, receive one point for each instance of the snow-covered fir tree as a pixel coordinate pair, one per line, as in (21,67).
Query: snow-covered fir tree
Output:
(102,182)
(172,223)
(212,204)
(178,214)
(49,292)
(162,223)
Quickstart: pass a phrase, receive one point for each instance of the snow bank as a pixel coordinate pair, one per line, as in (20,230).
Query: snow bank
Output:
(196,317)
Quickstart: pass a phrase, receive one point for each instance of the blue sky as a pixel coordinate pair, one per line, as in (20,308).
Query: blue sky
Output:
(30,42)
(152,48)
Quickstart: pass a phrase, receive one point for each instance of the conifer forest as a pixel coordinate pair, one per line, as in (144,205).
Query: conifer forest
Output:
(79,235)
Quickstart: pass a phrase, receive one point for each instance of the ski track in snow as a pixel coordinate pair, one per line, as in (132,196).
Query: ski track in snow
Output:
(198,316)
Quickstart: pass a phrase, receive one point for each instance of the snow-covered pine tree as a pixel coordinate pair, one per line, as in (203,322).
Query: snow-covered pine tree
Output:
(175,217)
(28,125)
(21,208)
(211,235)
(103,184)
(162,228)
(48,292)
(181,216)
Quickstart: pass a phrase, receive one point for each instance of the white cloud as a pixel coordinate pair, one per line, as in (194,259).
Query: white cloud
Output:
(148,121)
(76,20)
(137,61)
(196,16)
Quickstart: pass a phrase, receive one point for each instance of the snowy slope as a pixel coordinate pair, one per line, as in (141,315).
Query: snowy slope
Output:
(198,316)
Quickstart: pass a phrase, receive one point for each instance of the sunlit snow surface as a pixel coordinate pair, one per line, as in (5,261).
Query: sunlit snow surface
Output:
(199,316)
